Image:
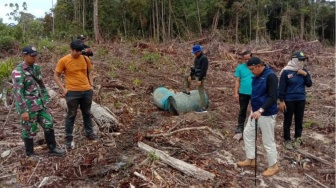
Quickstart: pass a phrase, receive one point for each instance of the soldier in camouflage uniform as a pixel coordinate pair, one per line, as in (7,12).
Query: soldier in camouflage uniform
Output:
(31,97)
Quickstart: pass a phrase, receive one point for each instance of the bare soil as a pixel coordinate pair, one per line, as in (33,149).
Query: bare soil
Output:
(128,74)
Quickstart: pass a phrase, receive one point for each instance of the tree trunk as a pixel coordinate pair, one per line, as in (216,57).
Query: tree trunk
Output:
(157,20)
(215,21)
(302,16)
(257,29)
(199,17)
(237,22)
(98,37)
(169,19)
(163,21)
(83,14)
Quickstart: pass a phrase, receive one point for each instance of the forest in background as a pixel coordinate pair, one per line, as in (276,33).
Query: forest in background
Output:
(236,22)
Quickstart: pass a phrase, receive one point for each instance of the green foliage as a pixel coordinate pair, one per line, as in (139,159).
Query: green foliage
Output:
(7,42)
(117,104)
(152,156)
(309,124)
(136,82)
(101,51)
(46,43)
(132,67)
(6,68)
(151,57)
(62,49)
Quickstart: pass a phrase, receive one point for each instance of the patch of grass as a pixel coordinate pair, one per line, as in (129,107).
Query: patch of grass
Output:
(132,67)
(6,68)
(62,49)
(309,124)
(117,104)
(151,57)
(152,156)
(136,82)
(45,43)
(101,52)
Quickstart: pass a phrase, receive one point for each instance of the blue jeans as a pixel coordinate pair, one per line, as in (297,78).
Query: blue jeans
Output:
(73,100)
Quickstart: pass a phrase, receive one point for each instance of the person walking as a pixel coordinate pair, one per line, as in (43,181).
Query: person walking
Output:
(87,50)
(198,72)
(293,80)
(31,99)
(264,110)
(77,89)
(243,89)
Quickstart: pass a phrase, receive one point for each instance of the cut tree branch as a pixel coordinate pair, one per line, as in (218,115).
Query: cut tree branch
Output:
(184,167)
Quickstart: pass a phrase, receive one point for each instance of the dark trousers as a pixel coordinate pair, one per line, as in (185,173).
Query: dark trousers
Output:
(75,99)
(295,108)
(243,104)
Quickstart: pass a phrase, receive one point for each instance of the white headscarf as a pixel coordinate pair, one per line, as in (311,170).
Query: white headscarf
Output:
(294,64)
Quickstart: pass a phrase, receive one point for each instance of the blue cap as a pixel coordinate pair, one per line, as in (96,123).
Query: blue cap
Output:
(196,49)
(29,50)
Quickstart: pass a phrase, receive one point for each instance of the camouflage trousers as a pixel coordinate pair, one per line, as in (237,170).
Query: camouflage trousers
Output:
(42,117)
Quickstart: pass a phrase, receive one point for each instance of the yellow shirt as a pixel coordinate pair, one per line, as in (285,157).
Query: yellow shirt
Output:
(75,71)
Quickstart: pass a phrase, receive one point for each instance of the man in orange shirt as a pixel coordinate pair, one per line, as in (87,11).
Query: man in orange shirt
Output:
(77,90)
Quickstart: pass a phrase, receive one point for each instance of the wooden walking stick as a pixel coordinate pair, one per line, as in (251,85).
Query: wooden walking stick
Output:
(256,135)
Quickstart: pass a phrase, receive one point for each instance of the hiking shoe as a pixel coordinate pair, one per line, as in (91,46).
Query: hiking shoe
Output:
(288,145)
(247,163)
(201,110)
(297,143)
(68,142)
(185,92)
(271,170)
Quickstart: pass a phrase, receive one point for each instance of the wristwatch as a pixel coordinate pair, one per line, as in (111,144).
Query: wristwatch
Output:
(261,110)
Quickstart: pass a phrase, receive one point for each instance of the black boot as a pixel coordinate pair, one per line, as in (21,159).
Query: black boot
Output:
(51,143)
(240,129)
(29,145)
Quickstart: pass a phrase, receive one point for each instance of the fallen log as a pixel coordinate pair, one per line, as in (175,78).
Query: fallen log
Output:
(314,157)
(184,167)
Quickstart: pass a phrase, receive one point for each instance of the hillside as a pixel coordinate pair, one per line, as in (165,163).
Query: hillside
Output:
(127,74)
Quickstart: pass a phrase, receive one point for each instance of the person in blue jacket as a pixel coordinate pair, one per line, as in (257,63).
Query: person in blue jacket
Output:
(293,80)
(264,111)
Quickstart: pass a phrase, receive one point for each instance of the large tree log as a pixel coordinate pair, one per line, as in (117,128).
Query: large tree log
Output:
(186,168)
(104,118)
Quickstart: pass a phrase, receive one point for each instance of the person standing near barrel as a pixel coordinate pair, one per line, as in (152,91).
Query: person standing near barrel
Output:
(198,72)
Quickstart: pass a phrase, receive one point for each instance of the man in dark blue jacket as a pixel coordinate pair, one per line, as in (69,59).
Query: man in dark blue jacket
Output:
(198,72)
(292,94)
(264,110)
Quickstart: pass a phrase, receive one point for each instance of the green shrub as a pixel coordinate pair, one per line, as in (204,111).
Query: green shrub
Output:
(45,43)
(101,52)
(6,68)
(7,42)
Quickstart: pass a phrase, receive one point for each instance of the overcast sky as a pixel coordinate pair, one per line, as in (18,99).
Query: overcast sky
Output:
(34,7)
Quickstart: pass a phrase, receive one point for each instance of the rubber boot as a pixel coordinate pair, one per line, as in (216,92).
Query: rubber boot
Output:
(51,143)
(29,145)
(247,163)
(271,170)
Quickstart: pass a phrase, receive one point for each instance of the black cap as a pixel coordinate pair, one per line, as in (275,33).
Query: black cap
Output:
(77,45)
(253,61)
(30,50)
(300,55)
(81,37)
